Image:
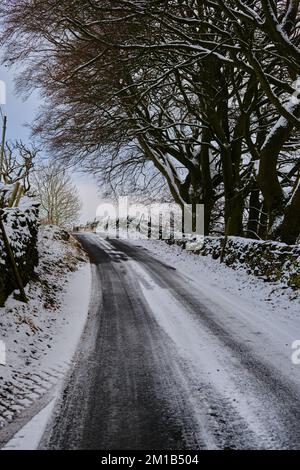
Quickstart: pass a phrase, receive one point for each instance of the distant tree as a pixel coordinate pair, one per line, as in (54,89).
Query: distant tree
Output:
(17,167)
(59,199)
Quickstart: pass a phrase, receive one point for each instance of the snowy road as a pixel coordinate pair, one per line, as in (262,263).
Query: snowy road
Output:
(162,365)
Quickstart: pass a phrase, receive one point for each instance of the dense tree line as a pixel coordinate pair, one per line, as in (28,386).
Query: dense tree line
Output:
(198,96)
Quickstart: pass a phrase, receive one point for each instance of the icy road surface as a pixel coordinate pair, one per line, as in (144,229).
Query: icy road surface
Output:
(166,364)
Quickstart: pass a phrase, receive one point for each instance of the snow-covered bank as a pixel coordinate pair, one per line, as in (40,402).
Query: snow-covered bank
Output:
(40,337)
(269,297)
(268,260)
(28,438)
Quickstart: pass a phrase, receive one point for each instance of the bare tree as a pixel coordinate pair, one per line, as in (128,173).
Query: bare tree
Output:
(57,195)
(19,160)
(17,167)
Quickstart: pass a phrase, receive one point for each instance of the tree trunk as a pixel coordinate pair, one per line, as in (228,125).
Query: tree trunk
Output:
(234,208)
(207,185)
(254,212)
(289,230)
(263,222)
(268,177)
(234,203)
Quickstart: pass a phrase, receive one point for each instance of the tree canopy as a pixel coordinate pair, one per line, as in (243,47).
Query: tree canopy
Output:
(198,97)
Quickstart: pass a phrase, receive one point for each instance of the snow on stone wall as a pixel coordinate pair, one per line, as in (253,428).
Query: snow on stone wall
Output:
(272,261)
(21,225)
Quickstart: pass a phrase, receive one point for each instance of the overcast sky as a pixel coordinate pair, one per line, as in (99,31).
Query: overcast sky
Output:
(20,114)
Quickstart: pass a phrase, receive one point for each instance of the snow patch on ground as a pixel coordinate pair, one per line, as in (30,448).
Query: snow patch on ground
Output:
(28,438)
(251,291)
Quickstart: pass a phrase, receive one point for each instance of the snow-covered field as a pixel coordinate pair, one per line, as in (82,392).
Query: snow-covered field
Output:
(41,337)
